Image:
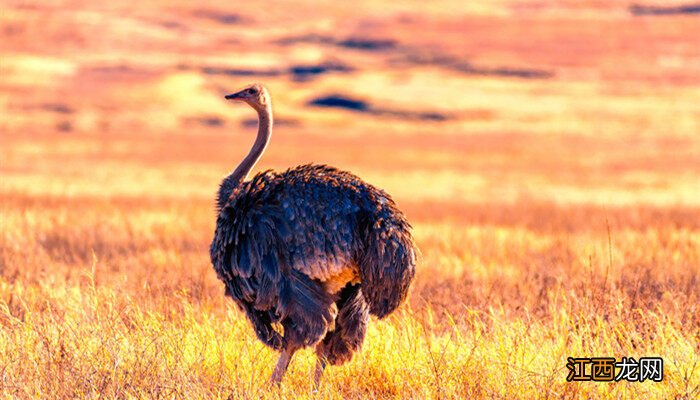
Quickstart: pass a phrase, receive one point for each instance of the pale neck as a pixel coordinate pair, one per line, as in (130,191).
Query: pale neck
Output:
(240,174)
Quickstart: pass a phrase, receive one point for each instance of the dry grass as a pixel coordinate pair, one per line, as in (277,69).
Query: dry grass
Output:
(116,298)
(556,217)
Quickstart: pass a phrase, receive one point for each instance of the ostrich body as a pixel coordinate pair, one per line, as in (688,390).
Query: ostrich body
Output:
(313,249)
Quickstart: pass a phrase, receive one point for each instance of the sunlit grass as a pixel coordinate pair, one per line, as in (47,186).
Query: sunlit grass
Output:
(60,341)
(116,298)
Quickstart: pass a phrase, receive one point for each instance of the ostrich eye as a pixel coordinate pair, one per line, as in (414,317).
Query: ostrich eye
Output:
(250,91)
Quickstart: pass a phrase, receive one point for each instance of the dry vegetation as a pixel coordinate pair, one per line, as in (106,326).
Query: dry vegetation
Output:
(558,214)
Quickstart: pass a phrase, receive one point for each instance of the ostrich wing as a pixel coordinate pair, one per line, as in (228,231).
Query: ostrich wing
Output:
(272,246)
(245,251)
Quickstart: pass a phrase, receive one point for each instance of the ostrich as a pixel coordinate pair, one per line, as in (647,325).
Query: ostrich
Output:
(309,253)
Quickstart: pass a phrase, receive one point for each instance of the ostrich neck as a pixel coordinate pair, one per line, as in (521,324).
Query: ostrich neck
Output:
(264,134)
(241,172)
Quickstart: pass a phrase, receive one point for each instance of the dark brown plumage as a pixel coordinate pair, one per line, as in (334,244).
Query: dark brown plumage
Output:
(313,249)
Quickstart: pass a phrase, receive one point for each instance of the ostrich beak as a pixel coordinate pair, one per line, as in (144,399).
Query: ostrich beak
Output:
(234,96)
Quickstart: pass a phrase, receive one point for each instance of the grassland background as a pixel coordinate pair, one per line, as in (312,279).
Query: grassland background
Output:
(556,202)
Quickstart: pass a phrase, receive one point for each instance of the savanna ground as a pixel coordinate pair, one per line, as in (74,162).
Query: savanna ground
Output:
(548,157)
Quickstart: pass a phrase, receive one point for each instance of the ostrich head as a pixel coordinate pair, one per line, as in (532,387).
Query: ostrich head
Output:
(255,95)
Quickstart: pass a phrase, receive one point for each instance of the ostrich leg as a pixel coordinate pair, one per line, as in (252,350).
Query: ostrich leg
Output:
(282,365)
(320,366)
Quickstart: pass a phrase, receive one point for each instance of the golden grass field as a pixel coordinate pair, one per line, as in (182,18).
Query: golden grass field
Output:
(547,155)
